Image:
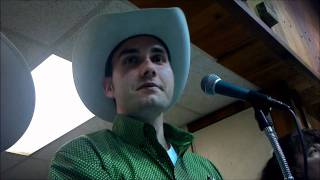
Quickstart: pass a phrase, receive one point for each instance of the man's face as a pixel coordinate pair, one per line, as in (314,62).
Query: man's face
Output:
(142,79)
(313,159)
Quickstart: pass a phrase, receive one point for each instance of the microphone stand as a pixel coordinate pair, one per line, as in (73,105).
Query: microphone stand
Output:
(266,125)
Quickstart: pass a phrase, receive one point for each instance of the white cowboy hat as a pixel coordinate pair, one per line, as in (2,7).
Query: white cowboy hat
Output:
(17,94)
(103,33)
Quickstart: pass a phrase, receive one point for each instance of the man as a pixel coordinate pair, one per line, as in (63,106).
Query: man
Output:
(291,147)
(130,68)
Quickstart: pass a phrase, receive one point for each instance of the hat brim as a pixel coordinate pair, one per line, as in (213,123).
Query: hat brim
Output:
(103,33)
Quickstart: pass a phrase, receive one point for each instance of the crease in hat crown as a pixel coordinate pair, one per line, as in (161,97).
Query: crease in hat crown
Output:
(103,33)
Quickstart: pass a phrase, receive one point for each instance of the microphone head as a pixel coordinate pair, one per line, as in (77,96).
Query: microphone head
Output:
(209,82)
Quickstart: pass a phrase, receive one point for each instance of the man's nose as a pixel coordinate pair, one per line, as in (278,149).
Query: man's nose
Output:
(148,69)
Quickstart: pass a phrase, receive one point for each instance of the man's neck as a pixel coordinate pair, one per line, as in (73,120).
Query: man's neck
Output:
(157,123)
(158,126)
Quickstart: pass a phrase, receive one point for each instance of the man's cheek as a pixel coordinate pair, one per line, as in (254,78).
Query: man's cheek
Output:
(167,76)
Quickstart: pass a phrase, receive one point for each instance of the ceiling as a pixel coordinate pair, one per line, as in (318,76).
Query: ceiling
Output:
(41,28)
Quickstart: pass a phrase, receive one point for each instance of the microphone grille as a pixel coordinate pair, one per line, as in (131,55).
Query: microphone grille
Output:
(208,83)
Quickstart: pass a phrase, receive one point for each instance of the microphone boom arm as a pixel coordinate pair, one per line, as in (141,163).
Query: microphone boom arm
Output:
(265,124)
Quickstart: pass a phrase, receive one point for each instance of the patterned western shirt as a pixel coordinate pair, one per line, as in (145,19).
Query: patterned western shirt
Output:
(130,151)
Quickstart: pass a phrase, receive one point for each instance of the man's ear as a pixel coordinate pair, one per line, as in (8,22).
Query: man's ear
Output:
(108,88)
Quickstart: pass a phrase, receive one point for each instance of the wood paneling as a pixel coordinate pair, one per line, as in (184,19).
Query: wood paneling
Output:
(300,29)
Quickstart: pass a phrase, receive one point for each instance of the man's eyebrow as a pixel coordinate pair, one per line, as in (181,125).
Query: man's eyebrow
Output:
(157,49)
(128,51)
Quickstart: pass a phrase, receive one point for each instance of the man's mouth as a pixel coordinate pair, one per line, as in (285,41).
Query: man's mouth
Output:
(149,85)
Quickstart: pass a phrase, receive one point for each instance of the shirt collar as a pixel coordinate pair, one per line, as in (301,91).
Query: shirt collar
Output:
(135,132)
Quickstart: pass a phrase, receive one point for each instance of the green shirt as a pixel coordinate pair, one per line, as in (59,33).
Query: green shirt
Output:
(130,151)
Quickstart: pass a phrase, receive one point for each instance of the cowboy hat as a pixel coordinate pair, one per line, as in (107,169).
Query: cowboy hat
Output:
(103,33)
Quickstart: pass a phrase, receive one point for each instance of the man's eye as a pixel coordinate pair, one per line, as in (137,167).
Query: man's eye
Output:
(313,151)
(131,60)
(158,58)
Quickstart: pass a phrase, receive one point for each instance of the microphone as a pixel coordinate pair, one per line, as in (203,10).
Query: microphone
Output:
(212,84)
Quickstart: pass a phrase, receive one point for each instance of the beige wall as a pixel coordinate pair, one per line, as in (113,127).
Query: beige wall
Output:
(235,145)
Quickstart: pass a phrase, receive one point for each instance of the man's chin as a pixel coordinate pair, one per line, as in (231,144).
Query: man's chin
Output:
(153,103)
